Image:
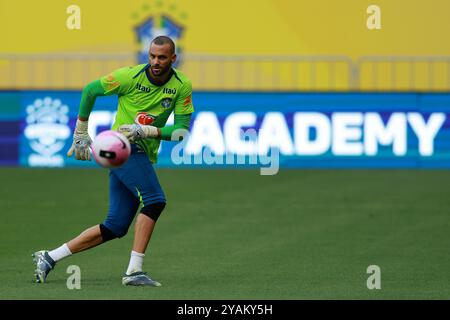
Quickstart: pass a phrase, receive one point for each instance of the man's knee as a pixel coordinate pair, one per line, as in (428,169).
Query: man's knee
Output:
(108,234)
(153,210)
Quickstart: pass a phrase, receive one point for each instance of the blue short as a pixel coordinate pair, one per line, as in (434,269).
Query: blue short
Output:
(131,185)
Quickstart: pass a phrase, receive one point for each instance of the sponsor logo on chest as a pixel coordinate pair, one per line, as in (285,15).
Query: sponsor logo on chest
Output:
(144,118)
(142,88)
(169,91)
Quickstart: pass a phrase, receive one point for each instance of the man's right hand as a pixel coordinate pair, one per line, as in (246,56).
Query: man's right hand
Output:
(81,142)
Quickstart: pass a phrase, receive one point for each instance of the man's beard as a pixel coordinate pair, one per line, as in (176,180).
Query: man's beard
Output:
(161,72)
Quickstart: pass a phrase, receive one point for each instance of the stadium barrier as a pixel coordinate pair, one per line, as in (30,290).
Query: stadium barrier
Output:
(309,130)
(402,73)
(238,73)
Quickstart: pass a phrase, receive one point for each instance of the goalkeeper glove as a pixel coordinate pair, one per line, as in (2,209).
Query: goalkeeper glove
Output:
(81,142)
(135,132)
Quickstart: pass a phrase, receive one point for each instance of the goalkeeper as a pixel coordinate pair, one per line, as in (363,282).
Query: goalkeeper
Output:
(148,94)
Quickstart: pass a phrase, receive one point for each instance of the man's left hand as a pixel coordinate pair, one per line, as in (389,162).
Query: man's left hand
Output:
(136,132)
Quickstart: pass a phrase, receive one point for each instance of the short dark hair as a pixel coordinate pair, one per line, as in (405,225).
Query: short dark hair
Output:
(161,40)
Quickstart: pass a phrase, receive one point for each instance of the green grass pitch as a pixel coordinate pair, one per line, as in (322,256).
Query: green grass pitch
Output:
(233,234)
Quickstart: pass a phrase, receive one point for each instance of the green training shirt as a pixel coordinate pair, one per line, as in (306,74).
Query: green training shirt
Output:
(144,102)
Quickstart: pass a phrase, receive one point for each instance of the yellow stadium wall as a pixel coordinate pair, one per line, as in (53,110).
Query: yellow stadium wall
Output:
(235,27)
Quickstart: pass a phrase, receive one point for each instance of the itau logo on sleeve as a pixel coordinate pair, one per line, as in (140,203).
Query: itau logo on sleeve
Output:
(46,132)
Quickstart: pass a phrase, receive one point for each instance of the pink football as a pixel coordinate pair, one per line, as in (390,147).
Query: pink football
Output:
(111,149)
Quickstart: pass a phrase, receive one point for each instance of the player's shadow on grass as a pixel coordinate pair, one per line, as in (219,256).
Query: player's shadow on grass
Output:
(101,282)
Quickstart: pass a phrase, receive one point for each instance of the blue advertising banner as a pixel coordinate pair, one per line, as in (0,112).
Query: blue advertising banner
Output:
(310,130)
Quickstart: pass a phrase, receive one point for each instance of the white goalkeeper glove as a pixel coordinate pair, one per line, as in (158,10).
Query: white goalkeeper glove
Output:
(136,132)
(81,142)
